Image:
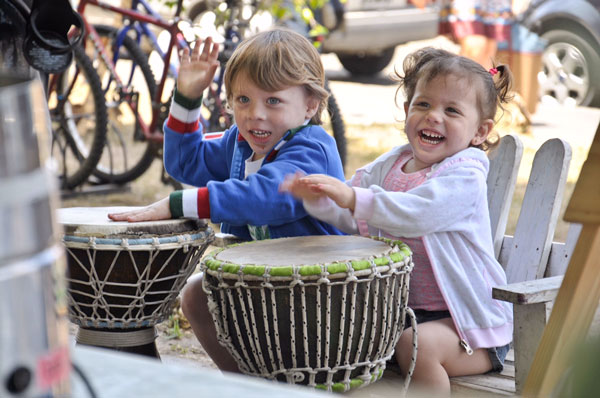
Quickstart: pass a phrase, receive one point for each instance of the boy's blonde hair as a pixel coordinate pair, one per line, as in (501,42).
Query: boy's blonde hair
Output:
(277,59)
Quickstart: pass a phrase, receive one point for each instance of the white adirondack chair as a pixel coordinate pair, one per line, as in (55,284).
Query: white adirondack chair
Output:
(532,262)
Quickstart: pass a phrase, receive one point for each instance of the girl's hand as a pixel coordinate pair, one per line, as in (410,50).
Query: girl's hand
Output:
(157,211)
(316,186)
(300,189)
(337,190)
(197,70)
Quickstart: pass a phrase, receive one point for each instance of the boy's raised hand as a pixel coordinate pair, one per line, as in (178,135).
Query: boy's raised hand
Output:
(197,69)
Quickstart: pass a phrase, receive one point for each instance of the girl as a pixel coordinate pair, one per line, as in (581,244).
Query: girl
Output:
(431,193)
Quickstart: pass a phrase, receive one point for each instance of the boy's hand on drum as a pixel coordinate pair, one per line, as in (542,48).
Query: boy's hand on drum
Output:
(337,190)
(157,211)
(197,69)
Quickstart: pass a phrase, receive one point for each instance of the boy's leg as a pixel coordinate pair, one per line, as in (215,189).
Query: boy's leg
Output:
(439,356)
(194,305)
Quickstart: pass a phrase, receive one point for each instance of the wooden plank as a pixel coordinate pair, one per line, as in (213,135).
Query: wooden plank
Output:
(487,383)
(530,321)
(539,212)
(579,294)
(583,206)
(571,317)
(501,181)
(560,253)
(529,292)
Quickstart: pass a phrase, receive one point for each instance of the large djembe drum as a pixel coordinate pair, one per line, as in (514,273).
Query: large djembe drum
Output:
(124,278)
(324,311)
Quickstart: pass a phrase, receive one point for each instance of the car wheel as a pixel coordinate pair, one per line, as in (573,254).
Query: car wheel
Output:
(366,64)
(570,70)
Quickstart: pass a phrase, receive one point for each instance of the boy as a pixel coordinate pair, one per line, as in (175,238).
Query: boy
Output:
(275,88)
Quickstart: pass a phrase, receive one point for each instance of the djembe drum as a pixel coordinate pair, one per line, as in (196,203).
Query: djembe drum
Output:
(324,311)
(124,278)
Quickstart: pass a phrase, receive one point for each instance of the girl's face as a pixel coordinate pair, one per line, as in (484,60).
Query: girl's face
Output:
(443,119)
(263,117)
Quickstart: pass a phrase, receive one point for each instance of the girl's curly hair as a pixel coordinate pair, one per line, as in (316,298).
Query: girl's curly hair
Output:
(428,63)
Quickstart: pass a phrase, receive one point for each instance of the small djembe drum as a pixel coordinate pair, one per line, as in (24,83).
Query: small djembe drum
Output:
(324,311)
(124,278)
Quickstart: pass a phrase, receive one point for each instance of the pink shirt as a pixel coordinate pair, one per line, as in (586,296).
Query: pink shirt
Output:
(424,292)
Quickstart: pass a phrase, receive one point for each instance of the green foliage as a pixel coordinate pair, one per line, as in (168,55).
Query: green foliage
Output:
(175,331)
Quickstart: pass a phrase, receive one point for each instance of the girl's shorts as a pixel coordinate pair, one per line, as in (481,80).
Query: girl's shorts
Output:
(497,354)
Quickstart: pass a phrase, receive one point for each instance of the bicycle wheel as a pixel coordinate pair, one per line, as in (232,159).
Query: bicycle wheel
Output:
(129,153)
(335,124)
(78,115)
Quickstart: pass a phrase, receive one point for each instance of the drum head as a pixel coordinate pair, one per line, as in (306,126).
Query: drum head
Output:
(94,221)
(305,250)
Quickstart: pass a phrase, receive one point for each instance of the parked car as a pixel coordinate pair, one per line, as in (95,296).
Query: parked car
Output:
(372,29)
(571,61)
(366,37)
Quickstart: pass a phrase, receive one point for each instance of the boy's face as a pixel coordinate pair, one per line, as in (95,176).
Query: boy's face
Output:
(263,117)
(443,119)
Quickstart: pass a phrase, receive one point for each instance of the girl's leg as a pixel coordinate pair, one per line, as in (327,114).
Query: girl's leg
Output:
(439,356)
(194,305)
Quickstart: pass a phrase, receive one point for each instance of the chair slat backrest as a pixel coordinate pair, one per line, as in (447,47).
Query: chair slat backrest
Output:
(501,181)
(530,247)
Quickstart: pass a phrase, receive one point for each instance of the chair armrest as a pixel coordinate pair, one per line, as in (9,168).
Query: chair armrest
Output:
(529,318)
(529,292)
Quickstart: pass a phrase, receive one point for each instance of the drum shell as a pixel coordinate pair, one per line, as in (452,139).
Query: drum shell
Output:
(357,336)
(127,286)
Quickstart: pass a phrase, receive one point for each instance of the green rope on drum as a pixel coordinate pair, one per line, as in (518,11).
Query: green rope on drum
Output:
(257,270)
(282,271)
(341,387)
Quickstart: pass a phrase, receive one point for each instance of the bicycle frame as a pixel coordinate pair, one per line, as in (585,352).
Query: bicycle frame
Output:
(152,131)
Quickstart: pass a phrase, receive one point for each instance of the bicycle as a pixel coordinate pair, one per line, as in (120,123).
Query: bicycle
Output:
(135,101)
(75,155)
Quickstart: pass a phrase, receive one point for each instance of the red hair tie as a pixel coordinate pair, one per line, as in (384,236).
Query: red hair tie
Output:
(493,71)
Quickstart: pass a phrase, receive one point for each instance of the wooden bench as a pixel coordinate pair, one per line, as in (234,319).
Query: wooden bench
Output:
(532,261)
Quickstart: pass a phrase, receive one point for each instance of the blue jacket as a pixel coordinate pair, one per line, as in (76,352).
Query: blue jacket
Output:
(236,203)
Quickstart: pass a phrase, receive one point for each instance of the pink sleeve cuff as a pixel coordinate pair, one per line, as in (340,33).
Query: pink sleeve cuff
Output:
(363,208)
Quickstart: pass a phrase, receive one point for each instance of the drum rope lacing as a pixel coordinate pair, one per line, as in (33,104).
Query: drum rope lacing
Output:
(388,282)
(103,301)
